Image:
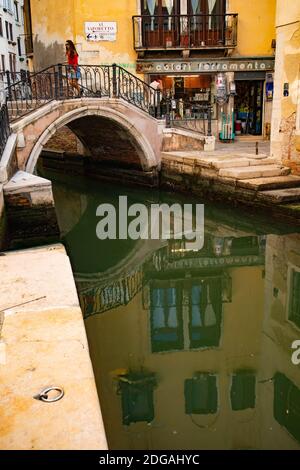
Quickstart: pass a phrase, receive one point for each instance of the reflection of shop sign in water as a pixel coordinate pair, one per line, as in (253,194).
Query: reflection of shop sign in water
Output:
(101,31)
(206,66)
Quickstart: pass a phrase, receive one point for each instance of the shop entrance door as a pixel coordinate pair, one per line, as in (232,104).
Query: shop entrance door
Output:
(249,106)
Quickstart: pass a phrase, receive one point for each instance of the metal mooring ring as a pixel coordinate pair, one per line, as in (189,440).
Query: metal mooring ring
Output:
(43,396)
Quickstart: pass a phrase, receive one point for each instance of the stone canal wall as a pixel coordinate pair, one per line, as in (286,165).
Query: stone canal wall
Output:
(190,175)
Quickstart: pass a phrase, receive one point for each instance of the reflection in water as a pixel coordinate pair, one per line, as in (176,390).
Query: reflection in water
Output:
(191,350)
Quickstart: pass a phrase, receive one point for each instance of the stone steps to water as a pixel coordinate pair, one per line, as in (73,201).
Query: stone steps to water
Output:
(242,162)
(255,171)
(280,196)
(269,183)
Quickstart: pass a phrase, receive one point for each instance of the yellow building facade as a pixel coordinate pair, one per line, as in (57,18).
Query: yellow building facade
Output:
(187,44)
(286,112)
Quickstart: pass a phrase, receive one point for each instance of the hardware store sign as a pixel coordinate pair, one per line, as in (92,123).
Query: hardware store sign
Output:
(205,66)
(101,31)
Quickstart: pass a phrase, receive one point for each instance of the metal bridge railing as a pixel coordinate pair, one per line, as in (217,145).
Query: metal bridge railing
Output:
(4,128)
(33,90)
(189,115)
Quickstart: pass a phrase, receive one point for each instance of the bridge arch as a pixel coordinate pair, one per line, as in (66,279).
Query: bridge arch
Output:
(142,129)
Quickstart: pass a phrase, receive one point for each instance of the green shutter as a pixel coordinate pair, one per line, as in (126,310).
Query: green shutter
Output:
(201,394)
(287,404)
(243,391)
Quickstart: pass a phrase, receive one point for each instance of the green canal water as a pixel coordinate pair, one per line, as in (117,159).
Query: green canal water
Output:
(190,349)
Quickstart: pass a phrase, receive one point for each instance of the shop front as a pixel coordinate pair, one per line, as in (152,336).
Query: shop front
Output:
(237,92)
(190,95)
(252,105)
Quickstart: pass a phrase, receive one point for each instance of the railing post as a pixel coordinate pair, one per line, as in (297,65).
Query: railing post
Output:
(60,82)
(8,85)
(158,113)
(209,121)
(56,86)
(114,82)
(168,112)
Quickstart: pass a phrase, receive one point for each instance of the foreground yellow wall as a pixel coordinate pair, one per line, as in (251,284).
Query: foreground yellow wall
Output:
(256,26)
(285,140)
(55,21)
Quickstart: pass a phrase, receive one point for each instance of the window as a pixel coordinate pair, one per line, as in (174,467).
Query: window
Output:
(11,32)
(294,304)
(166,319)
(211,7)
(136,392)
(7,5)
(16,11)
(160,7)
(243,391)
(2,67)
(19,46)
(1,27)
(287,404)
(12,64)
(205,314)
(201,394)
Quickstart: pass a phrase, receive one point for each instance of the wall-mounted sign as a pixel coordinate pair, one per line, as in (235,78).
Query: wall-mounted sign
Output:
(101,31)
(222,65)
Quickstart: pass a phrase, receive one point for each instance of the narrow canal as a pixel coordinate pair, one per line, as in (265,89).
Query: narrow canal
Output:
(190,349)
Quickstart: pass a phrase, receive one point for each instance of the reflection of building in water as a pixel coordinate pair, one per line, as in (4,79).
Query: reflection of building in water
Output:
(102,292)
(281,396)
(196,326)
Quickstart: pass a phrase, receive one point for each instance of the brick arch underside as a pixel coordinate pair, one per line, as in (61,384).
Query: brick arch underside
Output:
(107,133)
(107,141)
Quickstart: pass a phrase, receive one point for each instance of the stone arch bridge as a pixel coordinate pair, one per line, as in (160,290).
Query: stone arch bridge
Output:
(102,125)
(114,115)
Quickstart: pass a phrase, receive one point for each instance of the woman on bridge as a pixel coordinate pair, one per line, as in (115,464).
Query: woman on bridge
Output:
(74,71)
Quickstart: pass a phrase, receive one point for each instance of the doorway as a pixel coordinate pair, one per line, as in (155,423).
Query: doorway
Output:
(160,23)
(249,106)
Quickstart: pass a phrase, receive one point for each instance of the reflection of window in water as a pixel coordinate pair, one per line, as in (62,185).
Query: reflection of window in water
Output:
(201,394)
(205,314)
(136,392)
(166,319)
(242,392)
(294,306)
(202,319)
(287,405)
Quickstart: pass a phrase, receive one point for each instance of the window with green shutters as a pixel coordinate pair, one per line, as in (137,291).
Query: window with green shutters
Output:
(287,404)
(201,394)
(243,390)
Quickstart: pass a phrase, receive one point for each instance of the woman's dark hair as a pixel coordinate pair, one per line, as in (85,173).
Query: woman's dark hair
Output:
(72,49)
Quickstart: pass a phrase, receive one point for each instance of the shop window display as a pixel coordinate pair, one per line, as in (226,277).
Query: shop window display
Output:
(190,95)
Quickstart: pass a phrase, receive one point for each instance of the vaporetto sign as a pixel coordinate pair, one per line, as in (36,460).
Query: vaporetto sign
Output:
(247,65)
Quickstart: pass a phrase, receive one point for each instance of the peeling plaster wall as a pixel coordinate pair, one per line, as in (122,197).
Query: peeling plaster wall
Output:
(54,21)
(285,137)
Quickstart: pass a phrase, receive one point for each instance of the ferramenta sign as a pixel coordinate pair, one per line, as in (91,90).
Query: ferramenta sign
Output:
(216,65)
